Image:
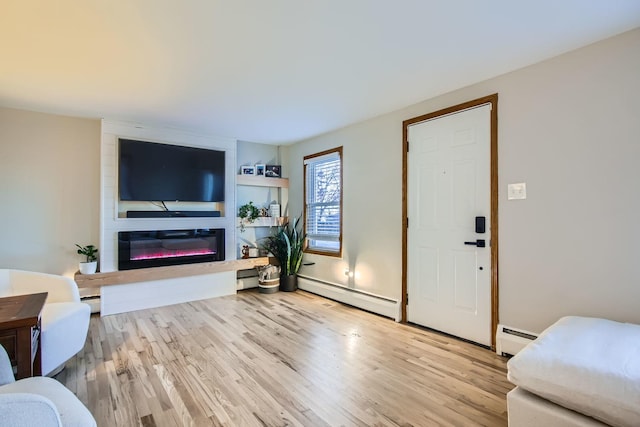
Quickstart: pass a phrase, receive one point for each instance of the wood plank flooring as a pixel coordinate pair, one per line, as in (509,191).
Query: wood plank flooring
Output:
(283,359)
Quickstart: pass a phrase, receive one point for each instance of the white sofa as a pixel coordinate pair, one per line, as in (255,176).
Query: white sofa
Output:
(38,401)
(579,372)
(65,320)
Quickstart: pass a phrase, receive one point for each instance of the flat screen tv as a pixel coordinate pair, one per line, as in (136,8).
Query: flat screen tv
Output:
(149,171)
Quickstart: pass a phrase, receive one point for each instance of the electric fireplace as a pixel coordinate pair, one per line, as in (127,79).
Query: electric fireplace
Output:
(158,248)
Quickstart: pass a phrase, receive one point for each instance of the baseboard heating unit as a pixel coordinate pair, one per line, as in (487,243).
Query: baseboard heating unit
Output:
(509,341)
(367,301)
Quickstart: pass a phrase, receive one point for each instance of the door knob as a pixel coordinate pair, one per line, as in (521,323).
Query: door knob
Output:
(479,243)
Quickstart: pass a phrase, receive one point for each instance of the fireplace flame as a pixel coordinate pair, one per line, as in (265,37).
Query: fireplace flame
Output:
(171,254)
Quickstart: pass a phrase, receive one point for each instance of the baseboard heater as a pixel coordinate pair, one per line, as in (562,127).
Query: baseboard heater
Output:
(509,341)
(377,304)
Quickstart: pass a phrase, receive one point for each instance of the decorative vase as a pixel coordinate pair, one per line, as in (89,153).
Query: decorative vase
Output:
(88,267)
(289,283)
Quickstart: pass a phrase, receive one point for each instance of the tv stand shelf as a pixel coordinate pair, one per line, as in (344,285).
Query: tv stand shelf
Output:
(157,273)
(173,214)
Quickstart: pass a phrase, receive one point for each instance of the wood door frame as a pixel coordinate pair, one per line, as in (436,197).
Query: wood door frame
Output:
(490,99)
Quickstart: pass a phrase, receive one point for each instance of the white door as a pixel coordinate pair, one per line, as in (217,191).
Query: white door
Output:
(449,185)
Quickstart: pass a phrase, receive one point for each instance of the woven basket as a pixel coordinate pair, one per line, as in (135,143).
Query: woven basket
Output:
(268,286)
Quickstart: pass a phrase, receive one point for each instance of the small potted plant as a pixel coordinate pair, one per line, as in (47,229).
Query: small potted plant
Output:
(91,264)
(247,213)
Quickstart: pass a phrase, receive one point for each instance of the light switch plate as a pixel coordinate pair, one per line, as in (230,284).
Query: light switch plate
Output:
(517,191)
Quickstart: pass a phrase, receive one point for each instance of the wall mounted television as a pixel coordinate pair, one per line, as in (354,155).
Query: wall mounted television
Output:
(150,171)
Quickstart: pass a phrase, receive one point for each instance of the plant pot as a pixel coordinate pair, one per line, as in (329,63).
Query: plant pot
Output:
(268,286)
(88,267)
(289,283)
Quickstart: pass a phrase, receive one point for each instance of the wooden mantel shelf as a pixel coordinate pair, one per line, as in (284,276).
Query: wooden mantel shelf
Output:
(157,273)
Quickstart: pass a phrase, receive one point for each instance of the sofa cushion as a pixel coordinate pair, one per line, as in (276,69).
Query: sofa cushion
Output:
(5,283)
(72,411)
(586,364)
(27,410)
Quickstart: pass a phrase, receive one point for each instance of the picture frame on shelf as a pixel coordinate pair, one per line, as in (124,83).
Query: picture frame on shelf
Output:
(260,169)
(248,170)
(273,171)
(274,210)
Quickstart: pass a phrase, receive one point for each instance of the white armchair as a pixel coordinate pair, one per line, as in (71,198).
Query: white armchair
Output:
(38,401)
(65,320)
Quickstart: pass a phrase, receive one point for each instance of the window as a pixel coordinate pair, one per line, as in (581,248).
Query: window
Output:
(323,202)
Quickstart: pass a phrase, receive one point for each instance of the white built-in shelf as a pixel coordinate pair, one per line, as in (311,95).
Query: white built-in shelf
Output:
(262,181)
(265,221)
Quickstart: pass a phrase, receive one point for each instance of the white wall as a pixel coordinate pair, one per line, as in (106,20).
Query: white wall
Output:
(569,128)
(49,190)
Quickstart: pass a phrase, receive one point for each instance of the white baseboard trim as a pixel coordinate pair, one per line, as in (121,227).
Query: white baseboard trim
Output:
(374,303)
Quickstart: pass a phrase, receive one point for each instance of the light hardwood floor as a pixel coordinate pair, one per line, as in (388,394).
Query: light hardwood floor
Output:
(285,359)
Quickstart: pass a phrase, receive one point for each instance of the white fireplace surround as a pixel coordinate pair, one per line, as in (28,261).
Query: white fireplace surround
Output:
(138,295)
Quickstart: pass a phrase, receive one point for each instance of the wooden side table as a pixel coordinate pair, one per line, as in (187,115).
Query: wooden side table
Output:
(20,332)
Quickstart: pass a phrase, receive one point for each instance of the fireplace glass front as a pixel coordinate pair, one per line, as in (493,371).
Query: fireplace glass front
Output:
(158,248)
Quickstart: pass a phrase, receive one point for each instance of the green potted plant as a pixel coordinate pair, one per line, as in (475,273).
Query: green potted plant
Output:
(287,246)
(91,264)
(247,213)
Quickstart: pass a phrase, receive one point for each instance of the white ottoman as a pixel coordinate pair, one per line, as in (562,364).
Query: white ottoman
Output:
(588,365)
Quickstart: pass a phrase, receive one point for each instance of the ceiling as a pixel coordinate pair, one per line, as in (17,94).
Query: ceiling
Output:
(276,71)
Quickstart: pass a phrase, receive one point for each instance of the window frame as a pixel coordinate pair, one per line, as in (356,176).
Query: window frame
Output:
(308,249)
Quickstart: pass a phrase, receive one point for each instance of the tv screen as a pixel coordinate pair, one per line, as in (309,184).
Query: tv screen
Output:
(149,171)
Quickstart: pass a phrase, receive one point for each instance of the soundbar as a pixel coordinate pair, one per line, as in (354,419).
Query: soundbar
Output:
(172,214)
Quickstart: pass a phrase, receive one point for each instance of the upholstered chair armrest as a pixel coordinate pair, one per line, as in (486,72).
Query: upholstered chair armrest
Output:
(27,410)
(6,371)
(60,288)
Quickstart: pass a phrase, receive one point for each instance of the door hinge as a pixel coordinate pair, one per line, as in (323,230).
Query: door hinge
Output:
(406,300)
(407,222)
(407,146)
